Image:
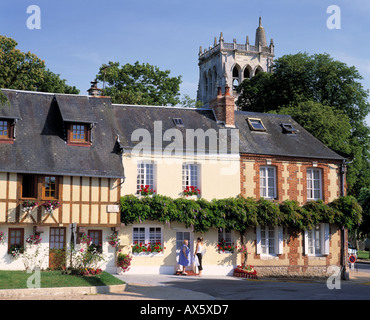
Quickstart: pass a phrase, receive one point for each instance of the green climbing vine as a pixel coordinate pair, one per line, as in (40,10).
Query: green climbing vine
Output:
(239,213)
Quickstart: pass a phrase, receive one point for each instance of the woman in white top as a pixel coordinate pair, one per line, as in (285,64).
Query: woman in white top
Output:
(198,253)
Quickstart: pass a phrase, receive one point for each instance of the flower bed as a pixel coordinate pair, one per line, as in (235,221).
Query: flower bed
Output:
(247,271)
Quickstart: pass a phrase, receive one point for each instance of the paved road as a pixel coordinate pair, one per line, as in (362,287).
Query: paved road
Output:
(229,288)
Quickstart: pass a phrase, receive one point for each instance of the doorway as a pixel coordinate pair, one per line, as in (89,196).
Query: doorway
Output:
(182,235)
(57,243)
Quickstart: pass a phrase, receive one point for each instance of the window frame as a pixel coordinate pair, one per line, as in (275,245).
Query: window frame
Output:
(79,142)
(265,188)
(56,187)
(145,237)
(278,241)
(143,176)
(311,197)
(324,238)
(34,194)
(226,235)
(253,128)
(190,173)
(9,136)
(99,237)
(21,241)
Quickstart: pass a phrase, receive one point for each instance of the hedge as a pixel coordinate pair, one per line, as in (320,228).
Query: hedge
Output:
(239,213)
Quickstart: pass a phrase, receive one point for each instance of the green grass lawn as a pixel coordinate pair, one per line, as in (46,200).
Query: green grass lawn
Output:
(49,279)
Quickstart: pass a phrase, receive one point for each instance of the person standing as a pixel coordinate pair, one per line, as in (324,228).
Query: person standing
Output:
(199,254)
(184,259)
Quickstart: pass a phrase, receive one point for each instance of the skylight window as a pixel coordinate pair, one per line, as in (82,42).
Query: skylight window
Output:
(178,122)
(288,128)
(256,124)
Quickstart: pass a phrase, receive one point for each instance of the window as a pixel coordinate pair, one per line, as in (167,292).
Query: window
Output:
(256,124)
(4,129)
(317,240)
(178,122)
(147,235)
(190,175)
(16,239)
(288,128)
(155,234)
(224,240)
(50,187)
(268,182)
(138,235)
(145,176)
(96,239)
(314,184)
(29,186)
(79,134)
(269,240)
(57,237)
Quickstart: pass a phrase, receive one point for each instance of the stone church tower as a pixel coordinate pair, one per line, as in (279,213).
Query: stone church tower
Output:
(228,64)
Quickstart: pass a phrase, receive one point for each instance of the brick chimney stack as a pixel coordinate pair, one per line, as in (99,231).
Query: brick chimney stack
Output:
(224,107)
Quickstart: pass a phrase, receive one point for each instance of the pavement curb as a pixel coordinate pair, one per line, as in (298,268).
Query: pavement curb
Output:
(19,293)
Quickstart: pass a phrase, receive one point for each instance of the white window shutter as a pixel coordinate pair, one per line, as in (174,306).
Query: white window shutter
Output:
(305,240)
(325,234)
(279,239)
(258,239)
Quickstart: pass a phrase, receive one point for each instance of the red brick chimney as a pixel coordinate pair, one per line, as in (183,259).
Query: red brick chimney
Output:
(224,107)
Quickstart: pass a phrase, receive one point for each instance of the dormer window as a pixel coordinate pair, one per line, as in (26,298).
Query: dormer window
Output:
(79,134)
(288,128)
(256,124)
(6,131)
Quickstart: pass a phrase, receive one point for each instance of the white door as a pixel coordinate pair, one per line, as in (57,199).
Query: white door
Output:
(182,235)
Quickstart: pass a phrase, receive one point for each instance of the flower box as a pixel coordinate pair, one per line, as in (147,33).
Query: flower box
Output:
(247,271)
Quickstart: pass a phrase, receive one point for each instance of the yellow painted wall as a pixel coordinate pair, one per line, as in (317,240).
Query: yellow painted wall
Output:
(219,177)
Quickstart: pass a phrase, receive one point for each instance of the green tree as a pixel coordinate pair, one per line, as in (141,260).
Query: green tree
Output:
(306,87)
(25,71)
(139,84)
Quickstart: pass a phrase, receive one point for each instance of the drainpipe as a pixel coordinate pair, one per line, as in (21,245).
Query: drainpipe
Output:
(344,252)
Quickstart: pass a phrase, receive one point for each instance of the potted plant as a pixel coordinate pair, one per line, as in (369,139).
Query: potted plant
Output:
(29,205)
(2,237)
(146,190)
(224,247)
(34,240)
(50,206)
(16,250)
(113,240)
(123,262)
(191,191)
(85,239)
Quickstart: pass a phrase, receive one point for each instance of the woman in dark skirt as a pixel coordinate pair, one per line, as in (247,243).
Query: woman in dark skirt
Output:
(199,254)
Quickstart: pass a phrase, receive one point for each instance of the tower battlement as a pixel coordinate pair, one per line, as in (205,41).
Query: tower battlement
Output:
(228,64)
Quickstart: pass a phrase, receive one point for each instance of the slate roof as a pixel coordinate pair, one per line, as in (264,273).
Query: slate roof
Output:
(275,142)
(130,118)
(40,146)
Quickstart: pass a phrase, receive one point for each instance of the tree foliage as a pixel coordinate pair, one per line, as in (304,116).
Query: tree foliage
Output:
(25,71)
(139,84)
(326,97)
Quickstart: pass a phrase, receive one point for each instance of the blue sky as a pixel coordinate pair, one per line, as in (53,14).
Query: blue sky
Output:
(77,37)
